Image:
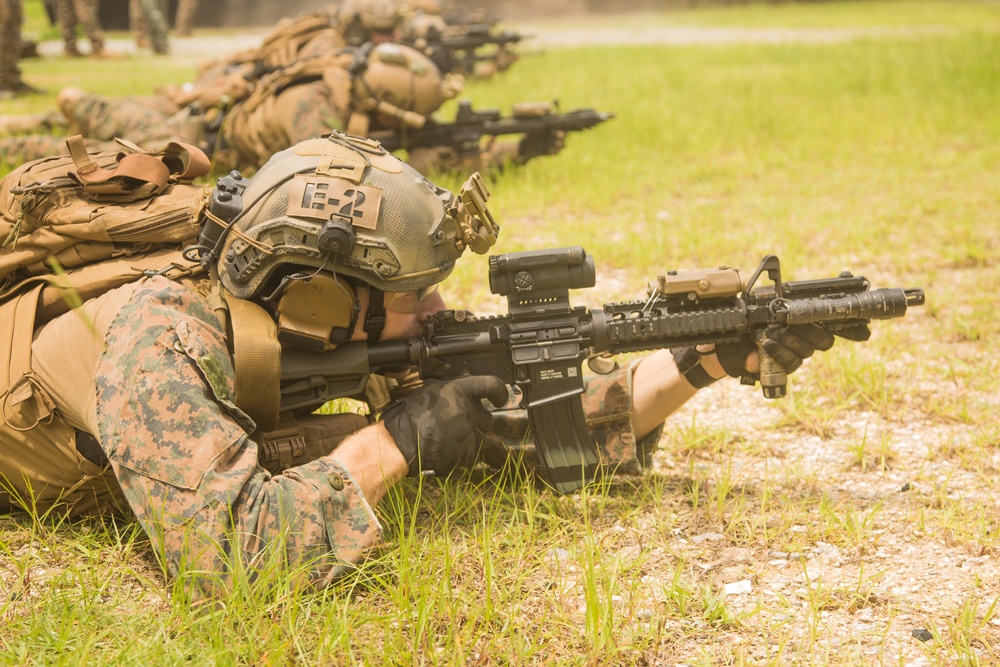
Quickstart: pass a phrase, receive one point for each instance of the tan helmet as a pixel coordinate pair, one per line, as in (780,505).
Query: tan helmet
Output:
(423,29)
(359,18)
(425,6)
(399,77)
(342,205)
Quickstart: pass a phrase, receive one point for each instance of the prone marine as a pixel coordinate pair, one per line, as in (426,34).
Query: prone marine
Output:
(385,87)
(144,414)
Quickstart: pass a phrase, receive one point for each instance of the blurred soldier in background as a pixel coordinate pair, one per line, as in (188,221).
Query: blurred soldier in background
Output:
(148,22)
(385,87)
(321,32)
(458,42)
(368,21)
(83,13)
(11,18)
(187,12)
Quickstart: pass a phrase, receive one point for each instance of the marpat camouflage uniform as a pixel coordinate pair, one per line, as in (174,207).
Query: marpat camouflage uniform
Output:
(296,113)
(83,13)
(149,24)
(150,122)
(148,388)
(14,151)
(155,389)
(187,12)
(11,18)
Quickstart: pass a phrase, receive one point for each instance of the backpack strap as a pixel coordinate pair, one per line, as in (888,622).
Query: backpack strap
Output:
(23,402)
(185,162)
(137,175)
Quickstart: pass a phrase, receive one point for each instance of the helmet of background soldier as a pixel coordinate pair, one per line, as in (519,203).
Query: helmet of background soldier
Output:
(425,6)
(398,77)
(360,18)
(424,29)
(343,206)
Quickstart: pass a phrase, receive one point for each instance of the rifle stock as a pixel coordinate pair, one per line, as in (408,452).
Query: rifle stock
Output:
(539,346)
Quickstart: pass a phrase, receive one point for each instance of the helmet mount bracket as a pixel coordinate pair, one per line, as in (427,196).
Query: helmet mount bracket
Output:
(337,238)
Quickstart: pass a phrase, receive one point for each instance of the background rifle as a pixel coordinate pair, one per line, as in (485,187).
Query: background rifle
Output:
(459,48)
(539,346)
(533,119)
(472,37)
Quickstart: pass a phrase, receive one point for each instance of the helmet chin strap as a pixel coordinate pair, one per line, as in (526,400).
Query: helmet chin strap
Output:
(375,318)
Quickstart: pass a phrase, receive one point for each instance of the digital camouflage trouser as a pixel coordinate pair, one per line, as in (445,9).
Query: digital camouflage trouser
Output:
(148,21)
(11,18)
(83,13)
(187,12)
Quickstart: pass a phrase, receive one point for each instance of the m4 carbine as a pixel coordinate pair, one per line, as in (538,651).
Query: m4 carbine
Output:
(539,346)
(464,135)
(460,49)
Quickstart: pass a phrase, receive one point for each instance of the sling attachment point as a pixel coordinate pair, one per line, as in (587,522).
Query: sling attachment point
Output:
(26,400)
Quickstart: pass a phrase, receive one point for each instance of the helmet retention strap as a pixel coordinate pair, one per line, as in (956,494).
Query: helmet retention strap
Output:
(375,318)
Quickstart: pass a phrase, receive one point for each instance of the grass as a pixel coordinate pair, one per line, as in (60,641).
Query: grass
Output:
(880,155)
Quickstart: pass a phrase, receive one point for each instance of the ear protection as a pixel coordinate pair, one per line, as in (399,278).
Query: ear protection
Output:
(317,312)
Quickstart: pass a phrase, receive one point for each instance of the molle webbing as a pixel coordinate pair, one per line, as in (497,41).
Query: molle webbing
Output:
(251,126)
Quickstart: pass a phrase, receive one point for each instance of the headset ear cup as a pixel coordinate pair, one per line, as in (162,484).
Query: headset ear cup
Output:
(336,238)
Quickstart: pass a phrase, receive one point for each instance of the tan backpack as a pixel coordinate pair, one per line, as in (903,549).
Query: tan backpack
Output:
(77,226)
(83,208)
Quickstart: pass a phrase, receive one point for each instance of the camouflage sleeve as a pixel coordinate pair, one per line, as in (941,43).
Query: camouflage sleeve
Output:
(181,453)
(607,404)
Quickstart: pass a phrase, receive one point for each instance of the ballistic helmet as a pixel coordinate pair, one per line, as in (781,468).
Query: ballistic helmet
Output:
(342,205)
(425,6)
(397,77)
(424,29)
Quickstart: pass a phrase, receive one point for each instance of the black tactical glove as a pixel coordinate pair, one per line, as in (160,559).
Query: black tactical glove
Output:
(441,426)
(787,344)
(541,143)
(733,356)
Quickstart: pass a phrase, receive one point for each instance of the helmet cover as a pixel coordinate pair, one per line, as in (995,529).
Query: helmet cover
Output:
(395,230)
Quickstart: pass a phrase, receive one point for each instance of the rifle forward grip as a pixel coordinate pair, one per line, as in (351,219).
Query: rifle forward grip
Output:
(773,378)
